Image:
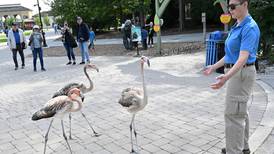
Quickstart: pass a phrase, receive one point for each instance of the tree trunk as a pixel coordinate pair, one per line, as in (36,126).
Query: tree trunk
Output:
(142,14)
(181,15)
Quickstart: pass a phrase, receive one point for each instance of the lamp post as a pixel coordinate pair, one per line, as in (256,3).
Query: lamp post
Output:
(43,33)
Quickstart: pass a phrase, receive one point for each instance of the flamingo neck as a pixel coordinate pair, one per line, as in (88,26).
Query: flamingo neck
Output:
(144,84)
(77,107)
(85,90)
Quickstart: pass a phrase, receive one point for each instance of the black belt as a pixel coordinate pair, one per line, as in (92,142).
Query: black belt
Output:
(231,65)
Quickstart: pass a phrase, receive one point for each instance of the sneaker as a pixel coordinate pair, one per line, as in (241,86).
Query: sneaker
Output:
(245,151)
(88,62)
(35,70)
(68,63)
(81,63)
(74,63)
(16,68)
(22,67)
(43,69)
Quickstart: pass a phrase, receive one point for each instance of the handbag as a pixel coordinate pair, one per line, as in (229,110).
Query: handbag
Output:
(23,45)
(73,43)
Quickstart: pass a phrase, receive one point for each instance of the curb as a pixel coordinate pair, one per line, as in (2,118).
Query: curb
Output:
(267,123)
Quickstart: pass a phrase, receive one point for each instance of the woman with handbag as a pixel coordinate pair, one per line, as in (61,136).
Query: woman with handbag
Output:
(69,44)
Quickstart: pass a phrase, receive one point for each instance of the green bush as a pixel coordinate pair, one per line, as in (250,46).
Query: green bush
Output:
(3,39)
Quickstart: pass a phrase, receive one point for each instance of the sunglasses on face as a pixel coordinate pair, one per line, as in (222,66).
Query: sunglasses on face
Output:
(233,6)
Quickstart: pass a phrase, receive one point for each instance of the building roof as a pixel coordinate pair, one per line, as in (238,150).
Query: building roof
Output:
(13,8)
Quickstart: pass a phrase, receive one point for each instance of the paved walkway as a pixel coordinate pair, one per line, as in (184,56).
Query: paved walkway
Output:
(183,116)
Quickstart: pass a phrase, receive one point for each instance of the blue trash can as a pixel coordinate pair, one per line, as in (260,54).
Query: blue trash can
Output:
(215,48)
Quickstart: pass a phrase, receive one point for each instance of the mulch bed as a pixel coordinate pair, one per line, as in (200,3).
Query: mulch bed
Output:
(119,50)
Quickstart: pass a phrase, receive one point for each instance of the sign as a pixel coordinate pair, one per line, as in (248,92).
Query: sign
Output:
(157,23)
(156,20)
(225,18)
(203,17)
(136,33)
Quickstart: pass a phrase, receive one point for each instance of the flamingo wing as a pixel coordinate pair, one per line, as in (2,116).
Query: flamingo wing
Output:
(53,106)
(130,97)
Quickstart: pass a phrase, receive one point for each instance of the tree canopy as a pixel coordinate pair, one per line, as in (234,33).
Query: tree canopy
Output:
(263,11)
(99,14)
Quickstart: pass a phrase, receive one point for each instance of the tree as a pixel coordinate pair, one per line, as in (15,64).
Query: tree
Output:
(99,14)
(9,21)
(262,11)
(37,21)
(46,20)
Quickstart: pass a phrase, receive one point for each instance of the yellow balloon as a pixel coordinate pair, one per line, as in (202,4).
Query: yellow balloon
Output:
(156,28)
(225,18)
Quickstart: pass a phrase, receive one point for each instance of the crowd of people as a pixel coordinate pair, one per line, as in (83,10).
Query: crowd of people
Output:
(17,42)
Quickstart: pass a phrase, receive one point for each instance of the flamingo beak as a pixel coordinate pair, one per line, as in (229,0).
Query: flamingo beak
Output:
(148,63)
(82,97)
(94,67)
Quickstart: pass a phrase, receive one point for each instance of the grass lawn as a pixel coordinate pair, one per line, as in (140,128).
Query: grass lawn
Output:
(4,39)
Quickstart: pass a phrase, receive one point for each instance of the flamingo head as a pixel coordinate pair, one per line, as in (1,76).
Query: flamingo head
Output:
(74,93)
(92,66)
(145,60)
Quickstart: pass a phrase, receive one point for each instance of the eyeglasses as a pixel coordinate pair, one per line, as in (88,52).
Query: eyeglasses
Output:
(233,6)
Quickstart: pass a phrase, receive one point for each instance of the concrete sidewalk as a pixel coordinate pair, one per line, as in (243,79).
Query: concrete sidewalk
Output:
(183,116)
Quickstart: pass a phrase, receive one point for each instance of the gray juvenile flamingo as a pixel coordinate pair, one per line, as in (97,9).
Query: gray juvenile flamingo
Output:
(135,99)
(58,107)
(84,89)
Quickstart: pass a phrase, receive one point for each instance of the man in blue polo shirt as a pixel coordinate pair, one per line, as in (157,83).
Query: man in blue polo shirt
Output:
(17,42)
(240,55)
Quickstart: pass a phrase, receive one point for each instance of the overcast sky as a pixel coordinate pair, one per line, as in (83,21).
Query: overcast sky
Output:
(28,3)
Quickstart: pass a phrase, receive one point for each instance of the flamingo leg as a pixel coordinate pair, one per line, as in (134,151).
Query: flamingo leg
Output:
(135,133)
(46,136)
(70,126)
(65,137)
(131,137)
(95,133)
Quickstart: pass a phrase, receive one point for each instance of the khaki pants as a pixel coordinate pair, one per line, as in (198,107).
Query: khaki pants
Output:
(239,88)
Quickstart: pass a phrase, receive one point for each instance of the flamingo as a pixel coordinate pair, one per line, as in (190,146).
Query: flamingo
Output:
(58,107)
(135,100)
(84,89)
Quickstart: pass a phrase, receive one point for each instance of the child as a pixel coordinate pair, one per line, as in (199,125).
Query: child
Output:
(144,34)
(35,41)
(91,39)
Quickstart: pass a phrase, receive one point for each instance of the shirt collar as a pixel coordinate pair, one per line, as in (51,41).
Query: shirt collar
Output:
(246,20)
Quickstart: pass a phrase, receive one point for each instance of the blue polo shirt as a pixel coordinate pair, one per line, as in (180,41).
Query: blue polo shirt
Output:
(244,37)
(16,36)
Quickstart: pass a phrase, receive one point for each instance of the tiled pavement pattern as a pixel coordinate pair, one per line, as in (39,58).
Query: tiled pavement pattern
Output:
(268,146)
(183,115)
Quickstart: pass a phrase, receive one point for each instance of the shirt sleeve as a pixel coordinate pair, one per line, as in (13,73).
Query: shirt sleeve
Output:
(248,40)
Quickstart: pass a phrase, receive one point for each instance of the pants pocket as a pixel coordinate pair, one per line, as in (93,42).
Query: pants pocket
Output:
(236,108)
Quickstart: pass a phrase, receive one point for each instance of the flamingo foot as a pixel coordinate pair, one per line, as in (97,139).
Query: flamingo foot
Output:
(133,152)
(97,134)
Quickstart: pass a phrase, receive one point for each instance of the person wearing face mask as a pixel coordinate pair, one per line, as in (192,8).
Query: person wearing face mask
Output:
(241,47)
(35,41)
(17,43)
